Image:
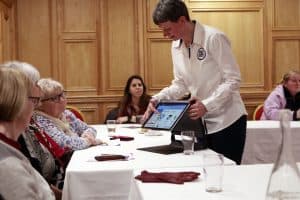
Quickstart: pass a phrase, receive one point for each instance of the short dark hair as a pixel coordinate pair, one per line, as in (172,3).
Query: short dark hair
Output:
(169,10)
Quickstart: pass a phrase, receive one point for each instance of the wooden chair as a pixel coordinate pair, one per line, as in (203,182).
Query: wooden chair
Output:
(258,112)
(76,112)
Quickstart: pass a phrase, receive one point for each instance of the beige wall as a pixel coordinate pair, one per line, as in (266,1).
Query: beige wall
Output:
(93,46)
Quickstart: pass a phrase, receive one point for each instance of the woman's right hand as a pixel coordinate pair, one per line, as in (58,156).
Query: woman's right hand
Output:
(87,134)
(150,109)
(121,120)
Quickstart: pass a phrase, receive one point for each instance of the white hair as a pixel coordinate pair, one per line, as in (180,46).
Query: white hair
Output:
(29,70)
(49,87)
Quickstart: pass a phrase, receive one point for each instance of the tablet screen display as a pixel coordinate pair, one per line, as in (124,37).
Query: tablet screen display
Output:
(168,115)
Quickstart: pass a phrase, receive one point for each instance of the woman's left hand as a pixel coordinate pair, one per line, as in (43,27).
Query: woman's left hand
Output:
(99,142)
(197,109)
(87,135)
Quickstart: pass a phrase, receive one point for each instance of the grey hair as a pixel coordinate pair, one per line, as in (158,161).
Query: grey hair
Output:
(49,86)
(29,70)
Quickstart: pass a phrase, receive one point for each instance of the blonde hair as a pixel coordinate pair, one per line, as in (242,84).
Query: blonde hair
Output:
(288,75)
(13,93)
(49,86)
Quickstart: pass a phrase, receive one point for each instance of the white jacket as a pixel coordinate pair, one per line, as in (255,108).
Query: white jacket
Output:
(210,74)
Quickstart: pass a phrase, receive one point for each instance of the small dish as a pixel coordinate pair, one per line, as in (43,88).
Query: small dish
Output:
(153,133)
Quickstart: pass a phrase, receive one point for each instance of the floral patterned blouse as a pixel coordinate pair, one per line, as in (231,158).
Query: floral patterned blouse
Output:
(74,142)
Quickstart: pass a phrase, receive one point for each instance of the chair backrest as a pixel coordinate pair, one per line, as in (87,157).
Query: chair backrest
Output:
(258,112)
(76,112)
(112,114)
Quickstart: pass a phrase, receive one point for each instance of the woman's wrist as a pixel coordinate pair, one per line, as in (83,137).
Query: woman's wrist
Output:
(296,115)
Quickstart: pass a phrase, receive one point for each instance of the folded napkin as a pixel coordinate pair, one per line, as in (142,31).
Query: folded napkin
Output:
(105,157)
(122,137)
(167,177)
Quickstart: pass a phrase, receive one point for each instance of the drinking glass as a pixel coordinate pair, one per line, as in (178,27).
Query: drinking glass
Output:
(213,172)
(111,127)
(188,140)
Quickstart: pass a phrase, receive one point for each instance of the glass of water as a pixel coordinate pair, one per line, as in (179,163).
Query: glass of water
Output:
(188,139)
(111,127)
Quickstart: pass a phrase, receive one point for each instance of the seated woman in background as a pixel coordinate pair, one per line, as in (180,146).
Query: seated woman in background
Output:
(135,100)
(59,123)
(285,96)
(19,180)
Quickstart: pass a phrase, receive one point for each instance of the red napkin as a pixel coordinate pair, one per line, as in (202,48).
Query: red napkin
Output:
(105,157)
(167,177)
(122,137)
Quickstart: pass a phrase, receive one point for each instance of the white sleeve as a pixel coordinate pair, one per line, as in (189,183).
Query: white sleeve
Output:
(231,78)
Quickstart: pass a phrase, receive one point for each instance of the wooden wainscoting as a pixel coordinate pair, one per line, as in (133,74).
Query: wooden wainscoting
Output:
(93,46)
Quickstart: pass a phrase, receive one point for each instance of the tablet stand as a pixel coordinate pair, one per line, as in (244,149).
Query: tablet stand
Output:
(185,123)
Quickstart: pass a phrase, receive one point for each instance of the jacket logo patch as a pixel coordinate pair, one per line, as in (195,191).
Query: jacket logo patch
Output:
(201,53)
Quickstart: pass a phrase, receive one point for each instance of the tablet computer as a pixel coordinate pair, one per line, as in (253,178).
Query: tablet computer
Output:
(169,113)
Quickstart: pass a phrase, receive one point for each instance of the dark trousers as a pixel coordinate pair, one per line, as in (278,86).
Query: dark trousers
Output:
(230,141)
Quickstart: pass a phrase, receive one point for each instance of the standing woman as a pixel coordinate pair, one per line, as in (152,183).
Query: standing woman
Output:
(205,67)
(19,180)
(135,100)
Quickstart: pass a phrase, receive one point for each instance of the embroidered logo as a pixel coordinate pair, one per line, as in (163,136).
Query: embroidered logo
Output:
(201,54)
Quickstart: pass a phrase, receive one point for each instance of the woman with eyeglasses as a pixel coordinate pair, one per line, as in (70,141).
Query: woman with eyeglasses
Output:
(19,180)
(59,123)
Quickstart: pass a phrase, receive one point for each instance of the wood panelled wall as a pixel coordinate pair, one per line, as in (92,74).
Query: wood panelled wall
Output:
(93,46)
(7,25)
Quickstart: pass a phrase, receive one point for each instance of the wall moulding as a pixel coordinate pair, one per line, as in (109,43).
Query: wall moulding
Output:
(216,1)
(205,5)
(94,99)
(285,14)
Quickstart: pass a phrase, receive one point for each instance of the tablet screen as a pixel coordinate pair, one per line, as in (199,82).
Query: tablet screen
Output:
(169,114)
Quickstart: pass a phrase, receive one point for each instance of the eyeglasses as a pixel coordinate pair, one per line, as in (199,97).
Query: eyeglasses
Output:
(56,98)
(35,100)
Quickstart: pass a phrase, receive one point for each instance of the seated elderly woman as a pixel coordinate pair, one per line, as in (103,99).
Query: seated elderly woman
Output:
(59,123)
(285,96)
(19,180)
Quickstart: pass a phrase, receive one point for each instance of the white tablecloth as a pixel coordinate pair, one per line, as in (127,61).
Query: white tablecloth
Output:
(244,182)
(263,141)
(87,178)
